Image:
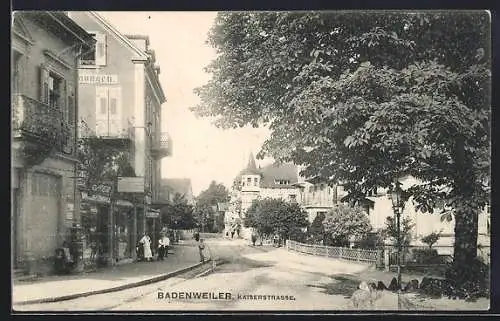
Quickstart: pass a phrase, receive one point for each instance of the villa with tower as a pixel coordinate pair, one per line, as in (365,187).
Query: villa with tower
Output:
(281,181)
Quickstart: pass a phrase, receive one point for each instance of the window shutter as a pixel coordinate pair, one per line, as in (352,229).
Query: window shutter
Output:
(100,50)
(44,85)
(101,111)
(71,102)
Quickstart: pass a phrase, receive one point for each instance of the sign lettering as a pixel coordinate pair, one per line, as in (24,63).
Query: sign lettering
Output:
(91,79)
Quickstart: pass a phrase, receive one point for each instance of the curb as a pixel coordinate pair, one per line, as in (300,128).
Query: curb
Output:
(114,289)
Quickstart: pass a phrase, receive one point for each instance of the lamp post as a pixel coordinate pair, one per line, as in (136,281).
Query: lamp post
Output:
(397,206)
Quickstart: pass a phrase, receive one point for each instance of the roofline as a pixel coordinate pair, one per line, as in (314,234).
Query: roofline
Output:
(141,54)
(143,37)
(155,84)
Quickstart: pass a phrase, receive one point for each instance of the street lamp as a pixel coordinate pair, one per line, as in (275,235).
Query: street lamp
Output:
(397,206)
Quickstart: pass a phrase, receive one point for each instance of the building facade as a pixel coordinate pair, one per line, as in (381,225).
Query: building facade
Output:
(120,99)
(424,223)
(278,181)
(45,51)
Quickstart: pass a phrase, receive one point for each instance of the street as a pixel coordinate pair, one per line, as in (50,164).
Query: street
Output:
(304,282)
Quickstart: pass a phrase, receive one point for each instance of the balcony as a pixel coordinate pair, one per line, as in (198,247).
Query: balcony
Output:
(110,133)
(161,148)
(39,126)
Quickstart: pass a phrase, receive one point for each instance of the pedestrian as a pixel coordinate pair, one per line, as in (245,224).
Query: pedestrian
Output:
(163,246)
(146,243)
(197,236)
(201,247)
(276,240)
(232,234)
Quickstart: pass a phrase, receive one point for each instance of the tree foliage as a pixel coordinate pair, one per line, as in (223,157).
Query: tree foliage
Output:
(102,163)
(431,239)
(344,221)
(178,214)
(275,216)
(370,96)
(206,213)
(404,233)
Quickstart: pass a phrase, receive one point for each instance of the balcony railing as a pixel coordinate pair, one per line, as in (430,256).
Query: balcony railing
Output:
(40,123)
(162,147)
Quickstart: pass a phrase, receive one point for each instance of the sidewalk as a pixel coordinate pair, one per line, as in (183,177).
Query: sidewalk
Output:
(179,257)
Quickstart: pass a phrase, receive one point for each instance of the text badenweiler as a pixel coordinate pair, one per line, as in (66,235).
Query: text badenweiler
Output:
(223,296)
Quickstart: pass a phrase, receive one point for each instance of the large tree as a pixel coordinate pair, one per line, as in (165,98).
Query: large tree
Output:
(178,214)
(206,210)
(361,98)
(269,216)
(343,222)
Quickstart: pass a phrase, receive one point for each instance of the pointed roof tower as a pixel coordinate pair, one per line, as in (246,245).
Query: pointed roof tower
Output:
(251,167)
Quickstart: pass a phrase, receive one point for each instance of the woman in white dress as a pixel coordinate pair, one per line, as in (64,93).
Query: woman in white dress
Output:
(146,243)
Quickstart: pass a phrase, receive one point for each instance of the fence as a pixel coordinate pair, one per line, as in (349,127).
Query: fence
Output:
(358,255)
(209,235)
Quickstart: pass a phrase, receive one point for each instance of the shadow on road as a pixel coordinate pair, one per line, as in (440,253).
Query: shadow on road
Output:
(341,285)
(240,264)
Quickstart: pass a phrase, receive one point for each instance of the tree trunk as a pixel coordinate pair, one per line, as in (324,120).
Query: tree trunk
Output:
(466,213)
(466,228)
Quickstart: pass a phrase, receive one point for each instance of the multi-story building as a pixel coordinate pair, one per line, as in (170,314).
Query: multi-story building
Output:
(380,208)
(45,51)
(279,181)
(121,98)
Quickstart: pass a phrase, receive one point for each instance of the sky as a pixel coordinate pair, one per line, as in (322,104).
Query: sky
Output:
(201,151)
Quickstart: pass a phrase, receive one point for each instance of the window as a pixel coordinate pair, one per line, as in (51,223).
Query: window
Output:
(292,197)
(282,182)
(311,189)
(54,89)
(112,106)
(16,72)
(104,105)
(249,180)
(256,181)
(96,56)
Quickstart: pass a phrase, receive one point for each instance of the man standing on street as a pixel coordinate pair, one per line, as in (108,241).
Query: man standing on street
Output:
(163,246)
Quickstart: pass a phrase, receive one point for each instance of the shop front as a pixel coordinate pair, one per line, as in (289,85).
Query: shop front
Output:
(124,218)
(94,212)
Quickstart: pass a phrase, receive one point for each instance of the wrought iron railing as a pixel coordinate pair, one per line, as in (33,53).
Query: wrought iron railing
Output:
(358,255)
(163,145)
(39,122)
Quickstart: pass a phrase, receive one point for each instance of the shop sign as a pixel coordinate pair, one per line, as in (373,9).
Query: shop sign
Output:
(101,191)
(124,203)
(101,79)
(152,213)
(95,198)
(130,184)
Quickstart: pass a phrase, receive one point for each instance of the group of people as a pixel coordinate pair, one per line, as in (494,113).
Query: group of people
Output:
(144,251)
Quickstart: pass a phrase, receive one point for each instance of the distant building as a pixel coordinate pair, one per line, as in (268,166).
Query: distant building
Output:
(169,187)
(45,51)
(279,181)
(425,223)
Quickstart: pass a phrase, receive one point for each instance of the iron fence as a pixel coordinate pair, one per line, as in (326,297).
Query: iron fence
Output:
(358,255)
